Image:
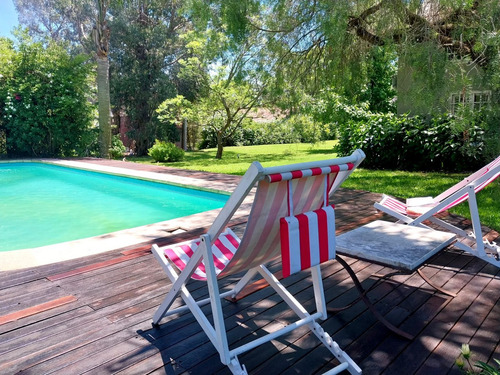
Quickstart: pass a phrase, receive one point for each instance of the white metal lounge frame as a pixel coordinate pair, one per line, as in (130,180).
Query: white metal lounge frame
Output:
(217,332)
(464,190)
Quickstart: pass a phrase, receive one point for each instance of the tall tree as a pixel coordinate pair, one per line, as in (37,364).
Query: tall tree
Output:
(146,47)
(100,34)
(233,70)
(60,20)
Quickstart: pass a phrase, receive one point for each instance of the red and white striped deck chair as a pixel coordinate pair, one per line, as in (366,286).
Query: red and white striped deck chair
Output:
(416,210)
(290,215)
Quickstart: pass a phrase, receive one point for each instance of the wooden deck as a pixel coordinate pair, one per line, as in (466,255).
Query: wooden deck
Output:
(93,315)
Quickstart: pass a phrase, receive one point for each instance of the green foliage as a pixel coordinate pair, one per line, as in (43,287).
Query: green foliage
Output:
(300,128)
(487,369)
(44,101)
(414,143)
(175,110)
(7,54)
(331,108)
(223,111)
(165,152)
(355,47)
(117,148)
(276,132)
(172,113)
(61,20)
(381,70)
(428,66)
(307,129)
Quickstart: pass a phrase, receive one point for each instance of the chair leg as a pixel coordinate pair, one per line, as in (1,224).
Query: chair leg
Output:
(346,362)
(305,319)
(236,368)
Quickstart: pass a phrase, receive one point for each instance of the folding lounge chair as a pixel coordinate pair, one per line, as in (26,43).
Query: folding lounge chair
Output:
(290,217)
(417,210)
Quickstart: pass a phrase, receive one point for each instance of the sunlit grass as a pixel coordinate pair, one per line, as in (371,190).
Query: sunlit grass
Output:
(236,159)
(419,184)
(402,184)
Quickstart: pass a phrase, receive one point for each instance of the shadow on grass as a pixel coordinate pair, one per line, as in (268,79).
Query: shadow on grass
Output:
(328,151)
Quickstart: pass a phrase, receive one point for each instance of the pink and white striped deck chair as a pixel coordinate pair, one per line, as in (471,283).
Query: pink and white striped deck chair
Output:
(290,215)
(416,210)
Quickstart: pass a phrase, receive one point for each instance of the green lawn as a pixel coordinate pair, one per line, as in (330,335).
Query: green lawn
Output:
(419,184)
(235,160)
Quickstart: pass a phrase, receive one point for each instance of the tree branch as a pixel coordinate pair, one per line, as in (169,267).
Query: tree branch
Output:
(419,26)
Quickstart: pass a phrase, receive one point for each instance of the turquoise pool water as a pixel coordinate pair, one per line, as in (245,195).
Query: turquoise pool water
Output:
(43,204)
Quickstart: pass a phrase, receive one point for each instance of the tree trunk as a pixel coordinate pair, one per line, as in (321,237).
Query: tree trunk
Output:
(104,105)
(141,143)
(220,147)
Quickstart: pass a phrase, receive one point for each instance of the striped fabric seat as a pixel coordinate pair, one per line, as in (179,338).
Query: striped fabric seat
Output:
(494,167)
(223,250)
(262,238)
(404,209)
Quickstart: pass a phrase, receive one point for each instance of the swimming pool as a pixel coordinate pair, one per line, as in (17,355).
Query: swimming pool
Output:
(42,204)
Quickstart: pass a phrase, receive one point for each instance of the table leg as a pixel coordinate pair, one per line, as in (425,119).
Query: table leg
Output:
(368,303)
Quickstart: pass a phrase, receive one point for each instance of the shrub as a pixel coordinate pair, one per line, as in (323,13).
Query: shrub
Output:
(307,129)
(294,129)
(117,148)
(414,143)
(241,136)
(209,138)
(276,132)
(44,100)
(165,152)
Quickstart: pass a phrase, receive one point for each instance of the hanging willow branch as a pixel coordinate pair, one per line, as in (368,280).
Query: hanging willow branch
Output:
(440,26)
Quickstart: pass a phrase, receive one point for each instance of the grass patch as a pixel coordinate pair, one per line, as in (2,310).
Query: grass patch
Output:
(420,184)
(236,160)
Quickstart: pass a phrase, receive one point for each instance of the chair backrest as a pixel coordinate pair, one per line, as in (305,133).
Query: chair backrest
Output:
(479,179)
(284,191)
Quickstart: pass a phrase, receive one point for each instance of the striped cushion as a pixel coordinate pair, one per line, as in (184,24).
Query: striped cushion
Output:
(223,250)
(393,204)
(307,239)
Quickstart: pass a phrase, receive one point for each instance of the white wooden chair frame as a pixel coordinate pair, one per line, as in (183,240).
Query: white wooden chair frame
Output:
(481,248)
(217,332)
